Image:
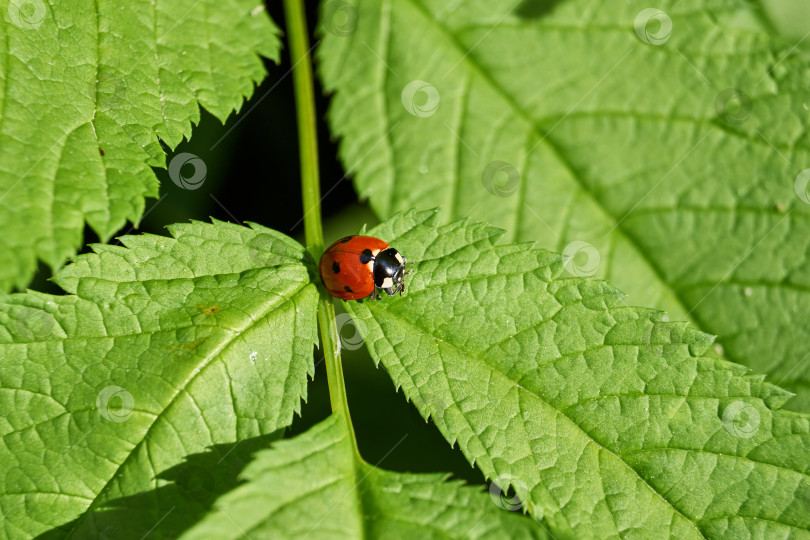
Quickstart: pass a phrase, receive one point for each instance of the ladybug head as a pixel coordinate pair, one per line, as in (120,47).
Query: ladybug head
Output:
(389,271)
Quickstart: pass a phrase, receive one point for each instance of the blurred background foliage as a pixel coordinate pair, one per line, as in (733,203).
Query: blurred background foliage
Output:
(253,175)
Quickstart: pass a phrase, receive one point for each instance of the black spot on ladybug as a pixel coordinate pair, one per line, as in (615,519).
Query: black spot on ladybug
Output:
(346,240)
(336,267)
(348,289)
(366,256)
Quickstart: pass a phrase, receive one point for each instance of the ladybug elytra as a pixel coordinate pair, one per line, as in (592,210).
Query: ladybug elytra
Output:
(357,267)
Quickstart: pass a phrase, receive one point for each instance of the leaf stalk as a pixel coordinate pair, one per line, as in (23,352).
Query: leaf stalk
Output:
(301,59)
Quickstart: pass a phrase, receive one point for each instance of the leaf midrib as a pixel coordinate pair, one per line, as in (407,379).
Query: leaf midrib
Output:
(513,383)
(563,413)
(745,459)
(567,164)
(275,302)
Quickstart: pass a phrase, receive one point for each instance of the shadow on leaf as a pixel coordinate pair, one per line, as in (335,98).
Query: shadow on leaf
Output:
(536,9)
(167,511)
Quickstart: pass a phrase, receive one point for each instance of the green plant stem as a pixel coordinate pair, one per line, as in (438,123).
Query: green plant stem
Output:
(334,366)
(298,39)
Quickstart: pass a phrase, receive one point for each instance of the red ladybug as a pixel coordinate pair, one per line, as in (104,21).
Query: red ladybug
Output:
(357,266)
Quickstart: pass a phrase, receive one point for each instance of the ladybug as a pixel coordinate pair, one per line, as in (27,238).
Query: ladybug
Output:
(356,267)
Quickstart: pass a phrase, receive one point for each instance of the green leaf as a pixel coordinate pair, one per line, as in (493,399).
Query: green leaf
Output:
(676,162)
(86,89)
(607,420)
(162,349)
(315,486)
